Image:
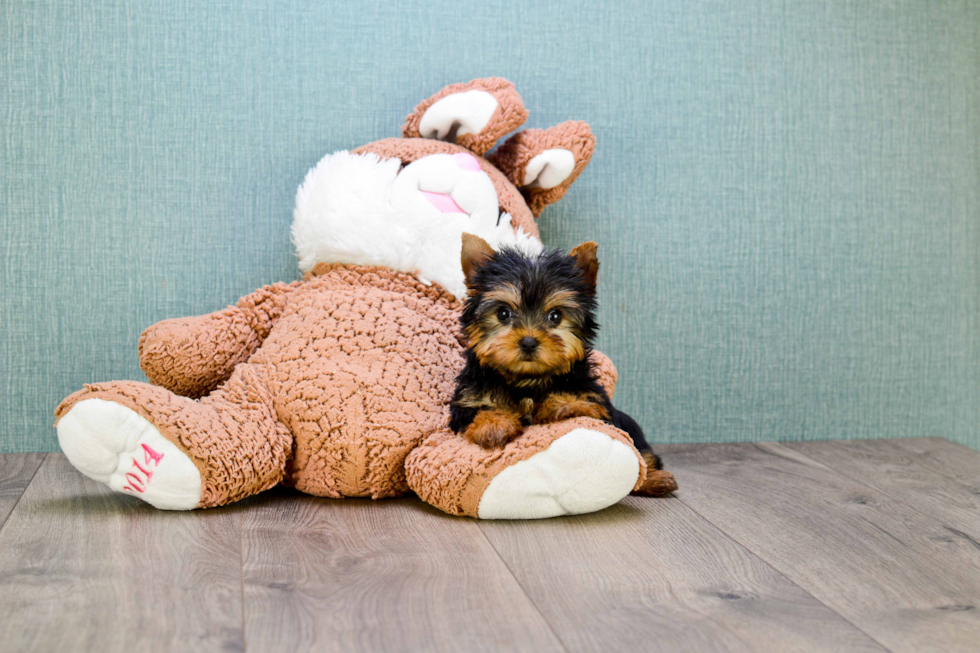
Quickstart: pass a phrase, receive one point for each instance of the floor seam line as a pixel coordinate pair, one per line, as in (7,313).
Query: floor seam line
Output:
(903,503)
(779,571)
(17,502)
(241,574)
(520,586)
(926,462)
(788,579)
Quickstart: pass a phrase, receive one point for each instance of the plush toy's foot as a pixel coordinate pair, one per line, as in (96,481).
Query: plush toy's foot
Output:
(572,467)
(582,471)
(114,445)
(232,439)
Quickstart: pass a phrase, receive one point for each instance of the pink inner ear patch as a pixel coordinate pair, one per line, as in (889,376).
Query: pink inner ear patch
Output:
(443,202)
(466,161)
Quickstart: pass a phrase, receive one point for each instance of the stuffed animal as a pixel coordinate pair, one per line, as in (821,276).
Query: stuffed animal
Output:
(339,384)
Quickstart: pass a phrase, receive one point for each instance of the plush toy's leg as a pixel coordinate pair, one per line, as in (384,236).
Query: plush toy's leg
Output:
(173,452)
(571,467)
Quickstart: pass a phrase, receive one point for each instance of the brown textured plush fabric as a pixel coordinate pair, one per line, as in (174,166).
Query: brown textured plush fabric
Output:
(365,362)
(356,365)
(451,472)
(193,355)
(509,198)
(605,372)
(513,156)
(508,116)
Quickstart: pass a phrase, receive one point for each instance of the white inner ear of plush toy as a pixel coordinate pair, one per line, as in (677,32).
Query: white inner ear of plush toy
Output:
(457,114)
(549,168)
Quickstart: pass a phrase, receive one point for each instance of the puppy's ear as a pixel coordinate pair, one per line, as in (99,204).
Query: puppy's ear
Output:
(475,253)
(586,261)
(473,115)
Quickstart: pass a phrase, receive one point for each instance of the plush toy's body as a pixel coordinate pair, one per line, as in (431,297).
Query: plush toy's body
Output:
(339,384)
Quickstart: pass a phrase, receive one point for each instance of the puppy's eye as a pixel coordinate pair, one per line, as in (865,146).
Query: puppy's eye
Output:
(504,314)
(555,317)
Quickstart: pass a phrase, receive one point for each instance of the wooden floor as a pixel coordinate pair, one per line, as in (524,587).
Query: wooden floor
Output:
(819,546)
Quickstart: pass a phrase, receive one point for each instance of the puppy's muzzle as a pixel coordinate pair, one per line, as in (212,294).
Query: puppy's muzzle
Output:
(528,345)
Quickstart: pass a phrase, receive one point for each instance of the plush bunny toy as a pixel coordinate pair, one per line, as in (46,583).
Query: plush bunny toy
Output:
(338,385)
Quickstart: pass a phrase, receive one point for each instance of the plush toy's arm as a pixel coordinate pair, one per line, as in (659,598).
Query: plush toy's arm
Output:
(605,372)
(192,356)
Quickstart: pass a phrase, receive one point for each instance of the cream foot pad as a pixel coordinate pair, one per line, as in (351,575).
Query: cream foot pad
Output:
(114,445)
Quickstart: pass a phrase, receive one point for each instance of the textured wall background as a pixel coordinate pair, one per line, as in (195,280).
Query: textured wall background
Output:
(786,194)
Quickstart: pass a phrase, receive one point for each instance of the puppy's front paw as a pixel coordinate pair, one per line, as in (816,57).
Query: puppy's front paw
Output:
(494,428)
(561,406)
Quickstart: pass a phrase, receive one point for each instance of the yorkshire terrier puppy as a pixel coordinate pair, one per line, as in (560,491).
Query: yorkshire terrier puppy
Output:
(529,323)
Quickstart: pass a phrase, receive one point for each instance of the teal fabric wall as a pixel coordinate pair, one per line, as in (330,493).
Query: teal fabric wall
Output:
(786,193)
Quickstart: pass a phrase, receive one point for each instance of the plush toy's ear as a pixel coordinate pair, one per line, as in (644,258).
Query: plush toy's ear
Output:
(543,163)
(473,115)
(475,253)
(587,262)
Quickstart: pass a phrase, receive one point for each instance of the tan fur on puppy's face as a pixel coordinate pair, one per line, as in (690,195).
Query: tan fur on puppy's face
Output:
(496,341)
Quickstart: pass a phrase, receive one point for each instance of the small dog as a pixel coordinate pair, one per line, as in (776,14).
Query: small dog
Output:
(529,322)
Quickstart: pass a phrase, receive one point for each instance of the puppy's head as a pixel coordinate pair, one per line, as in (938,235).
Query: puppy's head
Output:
(529,316)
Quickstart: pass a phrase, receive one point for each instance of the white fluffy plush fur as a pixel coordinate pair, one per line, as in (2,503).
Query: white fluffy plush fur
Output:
(361,209)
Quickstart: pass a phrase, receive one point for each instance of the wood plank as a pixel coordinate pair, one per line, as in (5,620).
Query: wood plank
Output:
(652,574)
(16,471)
(901,474)
(960,463)
(890,570)
(86,569)
(358,575)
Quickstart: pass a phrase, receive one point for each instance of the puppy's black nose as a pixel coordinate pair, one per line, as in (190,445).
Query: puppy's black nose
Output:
(528,344)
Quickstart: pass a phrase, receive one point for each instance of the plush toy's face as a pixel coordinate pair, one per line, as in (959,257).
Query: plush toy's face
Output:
(449,186)
(404,203)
